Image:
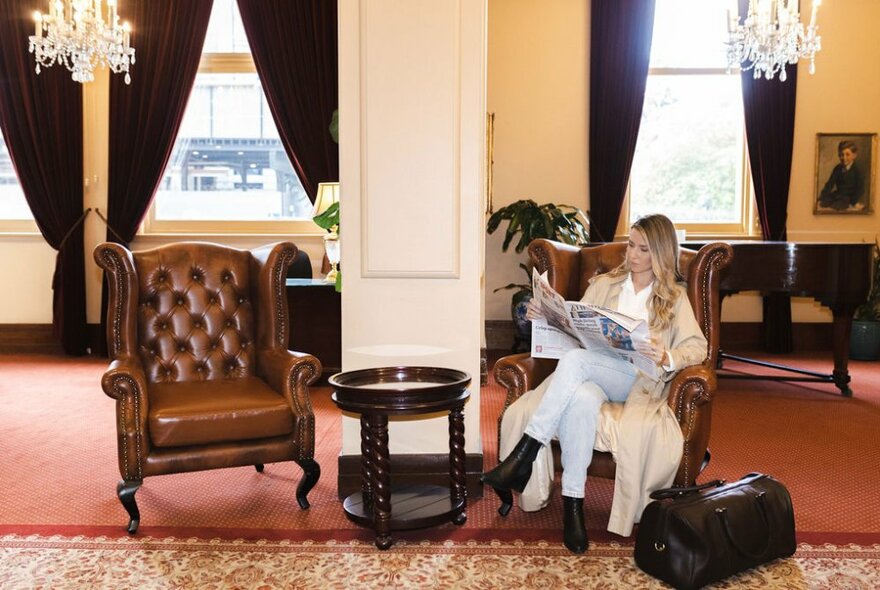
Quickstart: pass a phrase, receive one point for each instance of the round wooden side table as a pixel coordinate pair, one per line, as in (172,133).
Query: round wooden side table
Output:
(378,393)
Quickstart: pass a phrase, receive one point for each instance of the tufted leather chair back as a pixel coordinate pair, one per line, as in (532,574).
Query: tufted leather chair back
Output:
(188,310)
(195,313)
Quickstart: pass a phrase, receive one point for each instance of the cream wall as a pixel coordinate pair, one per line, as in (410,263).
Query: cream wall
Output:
(28,263)
(538,90)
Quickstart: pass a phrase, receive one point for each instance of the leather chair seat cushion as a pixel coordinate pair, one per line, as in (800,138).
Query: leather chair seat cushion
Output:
(216,411)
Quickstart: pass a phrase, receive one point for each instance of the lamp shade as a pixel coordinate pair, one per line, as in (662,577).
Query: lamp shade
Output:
(328,193)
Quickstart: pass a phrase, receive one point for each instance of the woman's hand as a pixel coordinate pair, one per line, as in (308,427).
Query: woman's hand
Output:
(533,311)
(654,350)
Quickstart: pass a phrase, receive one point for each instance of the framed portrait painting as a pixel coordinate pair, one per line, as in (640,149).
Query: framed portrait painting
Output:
(845,173)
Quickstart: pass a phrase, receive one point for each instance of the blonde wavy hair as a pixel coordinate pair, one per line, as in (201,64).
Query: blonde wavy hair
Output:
(659,233)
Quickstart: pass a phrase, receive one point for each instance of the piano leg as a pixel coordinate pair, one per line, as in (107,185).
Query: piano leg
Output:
(841,329)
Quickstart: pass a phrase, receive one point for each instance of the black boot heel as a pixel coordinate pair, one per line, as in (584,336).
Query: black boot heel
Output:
(506,501)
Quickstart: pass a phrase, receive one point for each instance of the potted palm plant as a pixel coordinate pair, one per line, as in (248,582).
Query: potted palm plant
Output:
(527,221)
(864,343)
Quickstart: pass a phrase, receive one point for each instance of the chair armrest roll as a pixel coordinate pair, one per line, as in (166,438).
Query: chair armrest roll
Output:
(518,373)
(690,397)
(691,387)
(126,382)
(125,376)
(290,374)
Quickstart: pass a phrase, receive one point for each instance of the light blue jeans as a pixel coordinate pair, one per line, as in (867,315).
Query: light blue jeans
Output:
(569,409)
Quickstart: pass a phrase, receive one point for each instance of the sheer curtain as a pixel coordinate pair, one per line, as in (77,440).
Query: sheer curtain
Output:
(41,119)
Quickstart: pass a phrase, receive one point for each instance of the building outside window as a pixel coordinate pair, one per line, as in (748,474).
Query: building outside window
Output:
(690,161)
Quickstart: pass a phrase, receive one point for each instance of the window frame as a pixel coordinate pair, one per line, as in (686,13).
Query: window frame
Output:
(225,63)
(748,226)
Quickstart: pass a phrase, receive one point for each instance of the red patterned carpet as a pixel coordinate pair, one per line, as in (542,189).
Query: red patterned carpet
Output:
(58,503)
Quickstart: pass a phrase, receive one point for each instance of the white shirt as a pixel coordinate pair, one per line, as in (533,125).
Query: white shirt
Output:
(635,305)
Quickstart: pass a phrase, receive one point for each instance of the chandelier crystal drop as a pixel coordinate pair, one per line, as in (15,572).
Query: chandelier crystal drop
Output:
(770,37)
(82,34)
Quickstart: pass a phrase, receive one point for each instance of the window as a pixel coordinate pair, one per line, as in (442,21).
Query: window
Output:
(228,172)
(690,160)
(15,215)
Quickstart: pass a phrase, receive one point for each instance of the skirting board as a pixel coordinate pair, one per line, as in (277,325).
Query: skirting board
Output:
(41,339)
(426,468)
(28,338)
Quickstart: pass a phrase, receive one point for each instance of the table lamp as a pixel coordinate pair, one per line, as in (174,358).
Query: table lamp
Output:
(328,194)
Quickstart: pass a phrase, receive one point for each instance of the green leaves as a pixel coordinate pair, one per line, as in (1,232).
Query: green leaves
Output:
(329,218)
(528,221)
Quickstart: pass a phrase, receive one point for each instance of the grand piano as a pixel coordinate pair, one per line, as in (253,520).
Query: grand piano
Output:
(835,275)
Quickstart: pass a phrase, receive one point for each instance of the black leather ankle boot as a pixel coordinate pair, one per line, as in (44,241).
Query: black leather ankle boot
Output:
(514,472)
(574,534)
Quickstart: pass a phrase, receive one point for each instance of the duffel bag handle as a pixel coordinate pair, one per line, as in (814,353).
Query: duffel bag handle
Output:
(722,515)
(664,493)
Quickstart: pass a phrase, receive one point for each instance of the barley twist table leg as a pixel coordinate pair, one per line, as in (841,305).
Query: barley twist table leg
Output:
(381,479)
(457,487)
(366,466)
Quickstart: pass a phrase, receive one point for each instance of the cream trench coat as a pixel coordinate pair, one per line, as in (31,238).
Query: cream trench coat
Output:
(642,434)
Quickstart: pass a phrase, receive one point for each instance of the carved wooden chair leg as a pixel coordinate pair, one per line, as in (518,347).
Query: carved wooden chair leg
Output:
(312,471)
(506,501)
(126,491)
(259,467)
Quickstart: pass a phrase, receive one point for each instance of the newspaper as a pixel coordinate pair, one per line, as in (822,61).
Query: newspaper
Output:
(573,324)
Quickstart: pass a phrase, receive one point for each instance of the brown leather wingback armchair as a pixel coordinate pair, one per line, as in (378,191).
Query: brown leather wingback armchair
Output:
(569,269)
(200,370)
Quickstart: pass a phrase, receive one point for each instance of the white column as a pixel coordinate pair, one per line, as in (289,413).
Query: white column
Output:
(412,77)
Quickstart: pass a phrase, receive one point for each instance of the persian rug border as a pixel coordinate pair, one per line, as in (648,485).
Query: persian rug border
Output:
(436,535)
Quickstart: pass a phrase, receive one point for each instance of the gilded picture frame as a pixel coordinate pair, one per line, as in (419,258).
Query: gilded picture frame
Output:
(846,170)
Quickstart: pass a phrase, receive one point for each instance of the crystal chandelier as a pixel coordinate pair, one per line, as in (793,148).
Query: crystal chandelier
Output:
(770,37)
(81,34)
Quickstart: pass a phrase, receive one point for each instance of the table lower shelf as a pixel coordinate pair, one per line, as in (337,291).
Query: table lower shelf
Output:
(412,507)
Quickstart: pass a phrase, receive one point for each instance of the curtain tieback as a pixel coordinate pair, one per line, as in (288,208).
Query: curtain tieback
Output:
(73,227)
(109,227)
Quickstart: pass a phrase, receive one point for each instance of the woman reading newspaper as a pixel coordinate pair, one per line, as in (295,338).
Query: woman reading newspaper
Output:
(644,436)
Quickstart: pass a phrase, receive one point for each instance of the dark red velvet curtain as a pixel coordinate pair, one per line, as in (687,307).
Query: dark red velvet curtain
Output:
(145,115)
(41,119)
(294,43)
(620,49)
(769,107)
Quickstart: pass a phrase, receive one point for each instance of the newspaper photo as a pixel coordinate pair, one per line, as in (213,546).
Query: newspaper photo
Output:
(572,324)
